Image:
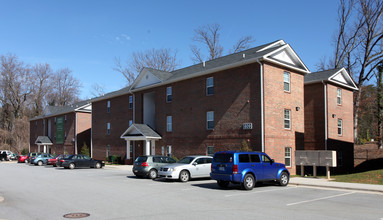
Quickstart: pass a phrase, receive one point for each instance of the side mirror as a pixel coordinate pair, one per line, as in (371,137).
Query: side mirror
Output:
(272,161)
(195,163)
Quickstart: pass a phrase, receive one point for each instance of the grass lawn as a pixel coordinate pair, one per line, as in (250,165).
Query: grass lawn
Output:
(369,177)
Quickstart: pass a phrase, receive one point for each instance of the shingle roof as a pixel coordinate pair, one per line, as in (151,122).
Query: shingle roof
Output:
(321,75)
(43,140)
(109,95)
(59,110)
(143,129)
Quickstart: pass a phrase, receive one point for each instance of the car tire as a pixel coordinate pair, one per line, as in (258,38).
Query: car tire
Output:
(98,166)
(72,166)
(25,161)
(223,184)
(284,179)
(40,163)
(152,174)
(184,176)
(248,182)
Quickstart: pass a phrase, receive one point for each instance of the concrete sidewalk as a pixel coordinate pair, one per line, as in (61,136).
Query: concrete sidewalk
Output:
(320,182)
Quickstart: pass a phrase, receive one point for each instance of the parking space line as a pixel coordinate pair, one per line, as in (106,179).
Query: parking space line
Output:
(324,198)
(264,191)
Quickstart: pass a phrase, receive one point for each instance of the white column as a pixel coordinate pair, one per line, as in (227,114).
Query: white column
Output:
(127,149)
(38,148)
(153,147)
(45,148)
(147,147)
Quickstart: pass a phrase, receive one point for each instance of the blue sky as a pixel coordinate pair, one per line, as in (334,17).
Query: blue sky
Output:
(86,35)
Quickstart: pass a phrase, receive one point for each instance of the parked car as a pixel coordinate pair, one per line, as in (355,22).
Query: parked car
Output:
(30,156)
(42,159)
(3,155)
(150,165)
(7,155)
(79,160)
(53,161)
(187,168)
(247,168)
(22,158)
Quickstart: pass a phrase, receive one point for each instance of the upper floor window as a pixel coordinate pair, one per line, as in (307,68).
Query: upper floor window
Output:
(339,96)
(130,102)
(108,106)
(169,94)
(108,128)
(169,123)
(286,81)
(340,126)
(210,86)
(287,119)
(288,156)
(210,120)
(130,122)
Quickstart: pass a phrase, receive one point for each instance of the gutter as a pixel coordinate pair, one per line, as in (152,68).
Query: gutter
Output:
(262,106)
(325,115)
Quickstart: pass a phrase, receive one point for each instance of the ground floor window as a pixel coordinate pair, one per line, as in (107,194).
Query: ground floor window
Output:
(163,151)
(108,151)
(210,150)
(169,151)
(339,158)
(288,156)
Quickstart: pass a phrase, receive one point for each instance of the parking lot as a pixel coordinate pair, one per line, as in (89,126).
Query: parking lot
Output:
(32,192)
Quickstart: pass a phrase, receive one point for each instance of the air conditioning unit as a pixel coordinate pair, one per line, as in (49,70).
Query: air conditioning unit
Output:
(247,126)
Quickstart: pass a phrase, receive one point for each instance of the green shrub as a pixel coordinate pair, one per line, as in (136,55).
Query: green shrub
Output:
(85,149)
(245,146)
(24,151)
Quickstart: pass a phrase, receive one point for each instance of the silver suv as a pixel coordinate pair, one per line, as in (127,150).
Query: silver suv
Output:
(149,165)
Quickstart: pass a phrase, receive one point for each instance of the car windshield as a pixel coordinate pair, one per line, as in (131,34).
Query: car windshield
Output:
(186,160)
(223,158)
(141,159)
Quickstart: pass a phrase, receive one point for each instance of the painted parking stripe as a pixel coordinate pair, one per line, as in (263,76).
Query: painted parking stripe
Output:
(324,198)
(263,191)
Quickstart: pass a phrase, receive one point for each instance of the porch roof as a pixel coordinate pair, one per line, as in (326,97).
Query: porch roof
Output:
(43,140)
(140,132)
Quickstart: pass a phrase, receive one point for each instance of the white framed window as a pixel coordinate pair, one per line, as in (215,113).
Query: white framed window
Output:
(163,151)
(339,96)
(169,150)
(108,151)
(130,122)
(108,107)
(286,81)
(130,102)
(169,94)
(169,123)
(210,150)
(288,156)
(210,120)
(287,116)
(340,126)
(210,86)
(108,128)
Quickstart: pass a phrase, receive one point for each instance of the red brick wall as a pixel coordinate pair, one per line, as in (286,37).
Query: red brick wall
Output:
(36,129)
(276,100)
(84,121)
(119,117)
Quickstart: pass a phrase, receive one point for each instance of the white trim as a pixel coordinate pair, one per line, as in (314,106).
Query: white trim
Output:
(275,44)
(262,106)
(141,75)
(325,115)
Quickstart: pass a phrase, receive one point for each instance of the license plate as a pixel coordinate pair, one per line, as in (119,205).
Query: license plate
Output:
(222,168)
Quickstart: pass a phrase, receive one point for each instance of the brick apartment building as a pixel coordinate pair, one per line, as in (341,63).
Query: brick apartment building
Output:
(254,98)
(61,129)
(329,114)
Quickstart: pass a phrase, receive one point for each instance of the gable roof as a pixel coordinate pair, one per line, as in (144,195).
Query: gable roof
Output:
(276,52)
(140,132)
(338,76)
(43,140)
(49,111)
(123,91)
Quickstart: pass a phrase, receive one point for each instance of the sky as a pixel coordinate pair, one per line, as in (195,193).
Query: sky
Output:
(87,35)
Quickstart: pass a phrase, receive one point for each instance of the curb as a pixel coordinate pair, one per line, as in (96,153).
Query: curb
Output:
(338,187)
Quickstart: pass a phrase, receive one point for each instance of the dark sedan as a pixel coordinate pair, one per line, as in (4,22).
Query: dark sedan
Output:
(81,161)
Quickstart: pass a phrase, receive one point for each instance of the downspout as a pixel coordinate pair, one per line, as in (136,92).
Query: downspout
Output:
(75,133)
(91,134)
(262,106)
(325,115)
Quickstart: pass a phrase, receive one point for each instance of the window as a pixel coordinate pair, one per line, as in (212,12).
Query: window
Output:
(64,118)
(287,119)
(169,94)
(210,86)
(169,150)
(266,159)
(255,158)
(286,81)
(108,151)
(169,123)
(163,151)
(108,107)
(339,96)
(108,128)
(288,156)
(339,155)
(210,150)
(210,120)
(244,158)
(130,122)
(340,126)
(130,102)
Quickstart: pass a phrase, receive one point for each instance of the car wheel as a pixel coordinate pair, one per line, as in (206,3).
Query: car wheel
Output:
(284,179)
(72,166)
(40,163)
(248,182)
(223,184)
(98,165)
(184,176)
(152,173)
(26,161)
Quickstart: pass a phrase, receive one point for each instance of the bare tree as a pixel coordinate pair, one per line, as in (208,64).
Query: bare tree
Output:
(65,88)
(97,90)
(42,76)
(160,59)
(209,36)
(380,103)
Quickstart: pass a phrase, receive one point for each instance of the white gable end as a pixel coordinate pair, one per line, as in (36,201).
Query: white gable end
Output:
(340,78)
(147,79)
(282,56)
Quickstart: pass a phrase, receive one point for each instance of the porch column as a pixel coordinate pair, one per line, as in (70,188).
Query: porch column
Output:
(45,148)
(147,147)
(38,148)
(127,149)
(153,143)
